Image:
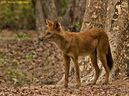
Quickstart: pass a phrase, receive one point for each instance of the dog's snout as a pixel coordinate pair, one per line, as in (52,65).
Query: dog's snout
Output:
(40,38)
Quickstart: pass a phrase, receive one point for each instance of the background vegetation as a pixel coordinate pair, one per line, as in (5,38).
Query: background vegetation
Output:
(17,15)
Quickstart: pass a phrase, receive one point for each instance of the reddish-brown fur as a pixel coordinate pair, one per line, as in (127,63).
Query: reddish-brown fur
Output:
(92,42)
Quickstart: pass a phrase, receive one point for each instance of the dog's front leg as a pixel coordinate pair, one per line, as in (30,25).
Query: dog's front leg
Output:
(67,65)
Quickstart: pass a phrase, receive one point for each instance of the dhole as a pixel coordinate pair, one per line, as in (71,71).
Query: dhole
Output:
(93,42)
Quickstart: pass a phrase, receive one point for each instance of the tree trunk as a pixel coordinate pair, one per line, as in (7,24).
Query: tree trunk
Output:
(44,9)
(117,27)
(58,7)
(74,14)
(49,9)
(127,48)
(39,14)
(95,14)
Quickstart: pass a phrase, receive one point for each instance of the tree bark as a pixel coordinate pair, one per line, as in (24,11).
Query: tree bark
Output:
(117,27)
(44,9)
(95,14)
(74,14)
(40,17)
(127,49)
(49,9)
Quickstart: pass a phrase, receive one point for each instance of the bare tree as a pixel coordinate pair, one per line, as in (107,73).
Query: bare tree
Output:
(95,14)
(117,27)
(74,14)
(44,9)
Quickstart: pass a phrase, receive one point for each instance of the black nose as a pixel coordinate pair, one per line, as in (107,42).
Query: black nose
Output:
(40,39)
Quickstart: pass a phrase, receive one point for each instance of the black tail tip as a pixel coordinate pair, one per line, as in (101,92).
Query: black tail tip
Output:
(109,59)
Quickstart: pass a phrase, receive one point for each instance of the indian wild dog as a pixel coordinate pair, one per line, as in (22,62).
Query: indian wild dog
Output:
(92,42)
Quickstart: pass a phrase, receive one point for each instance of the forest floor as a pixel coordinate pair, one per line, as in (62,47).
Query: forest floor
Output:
(21,59)
(117,88)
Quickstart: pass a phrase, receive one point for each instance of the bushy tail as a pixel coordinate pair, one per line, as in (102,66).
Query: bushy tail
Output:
(109,59)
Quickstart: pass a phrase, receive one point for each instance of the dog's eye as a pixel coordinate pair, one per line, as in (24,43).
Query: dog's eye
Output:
(48,33)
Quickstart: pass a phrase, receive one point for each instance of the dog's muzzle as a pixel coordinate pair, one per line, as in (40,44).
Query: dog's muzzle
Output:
(40,39)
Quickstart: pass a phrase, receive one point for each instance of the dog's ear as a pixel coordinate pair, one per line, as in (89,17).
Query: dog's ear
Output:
(49,22)
(57,26)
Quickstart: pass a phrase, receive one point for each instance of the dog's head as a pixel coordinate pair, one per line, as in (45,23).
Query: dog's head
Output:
(54,29)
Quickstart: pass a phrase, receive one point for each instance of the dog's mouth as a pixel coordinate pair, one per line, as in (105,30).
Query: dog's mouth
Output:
(44,40)
(40,39)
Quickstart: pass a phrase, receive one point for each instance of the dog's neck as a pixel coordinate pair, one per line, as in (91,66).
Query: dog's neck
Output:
(61,42)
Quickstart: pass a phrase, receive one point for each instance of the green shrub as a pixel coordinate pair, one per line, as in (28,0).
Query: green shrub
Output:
(17,16)
(16,76)
(64,4)
(22,36)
